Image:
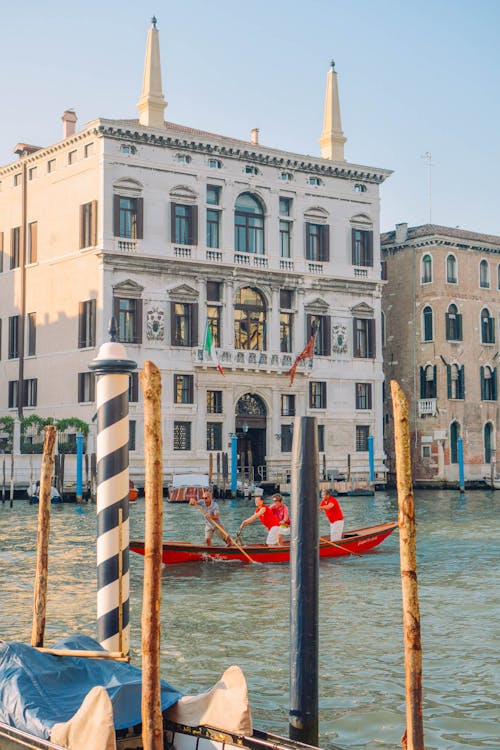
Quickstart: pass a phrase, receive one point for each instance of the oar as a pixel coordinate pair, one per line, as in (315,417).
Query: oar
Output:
(225,534)
(356,554)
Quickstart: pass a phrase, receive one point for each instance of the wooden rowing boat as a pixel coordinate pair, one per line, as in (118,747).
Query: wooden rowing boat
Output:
(355,542)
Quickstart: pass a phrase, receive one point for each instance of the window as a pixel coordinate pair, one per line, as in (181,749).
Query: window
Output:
(213,228)
(488,383)
(184,224)
(358,187)
(131,434)
(321,438)
(13,394)
(288,405)
(426,451)
(321,325)
(428,333)
(285,206)
(317,242)
(363,395)
(72,157)
(286,438)
(249,320)
(362,434)
(364,338)
(182,436)
(489,442)
(454,436)
(88,224)
(86,323)
(214,402)
(426,269)
(128,217)
(14,336)
(214,310)
(362,247)
(484,275)
(214,436)
(285,238)
(128,314)
(453,324)
(317,395)
(286,176)
(451,269)
(17,179)
(88,150)
(487,327)
(286,320)
(183,158)
(51,166)
(29,392)
(86,387)
(183,389)
(133,388)
(314,181)
(248,225)
(31,337)
(32,242)
(428,381)
(250,169)
(213,195)
(184,324)
(15,247)
(32,173)
(455,380)
(215,164)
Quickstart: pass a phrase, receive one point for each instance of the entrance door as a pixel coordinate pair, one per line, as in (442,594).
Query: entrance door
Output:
(250,426)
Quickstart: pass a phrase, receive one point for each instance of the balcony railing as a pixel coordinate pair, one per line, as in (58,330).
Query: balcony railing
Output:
(251,360)
(427,407)
(124,245)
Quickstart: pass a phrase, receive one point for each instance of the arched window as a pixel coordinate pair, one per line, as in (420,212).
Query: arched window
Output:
(451,269)
(487,327)
(456,387)
(248,225)
(426,269)
(488,383)
(428,333)
(454,435)
(488,442)
(453,321)
(484,275)
(249,320)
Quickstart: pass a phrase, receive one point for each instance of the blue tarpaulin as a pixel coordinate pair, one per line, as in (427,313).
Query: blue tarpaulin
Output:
(38,690)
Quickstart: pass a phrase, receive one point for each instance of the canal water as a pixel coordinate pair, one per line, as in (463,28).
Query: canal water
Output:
(218,614)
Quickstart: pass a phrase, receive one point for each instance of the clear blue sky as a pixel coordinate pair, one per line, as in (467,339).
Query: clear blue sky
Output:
(414,77)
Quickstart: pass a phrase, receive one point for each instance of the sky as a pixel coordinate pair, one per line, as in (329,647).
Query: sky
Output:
(419,84)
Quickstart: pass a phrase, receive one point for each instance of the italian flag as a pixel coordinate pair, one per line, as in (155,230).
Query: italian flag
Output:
(210,348)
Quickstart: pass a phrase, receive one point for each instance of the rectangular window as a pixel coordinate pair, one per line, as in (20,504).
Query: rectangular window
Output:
(363,395)
(286,326)
(317,242)
(128,314)
(15,247)
(286,438)
(88,150)
(86,323)
(17,179)
(131,434)
(214,318)
(14,336)
(322,326)
(286,299)
(133,388)
(214,402)
(285,238)
(86,387)
(31,338)
(182,436)
(317,395)
(428,382)
(213,195)
(72,157)
(362,247)
(128,217)
(32,173)
(30,392)
(51,166)
(88,224)
(32,242)
(184,322)
(288,405)
(214,436)
(362,433)
(13,394)
(321,438)
(285,206)
(364,338)
(183,389)
(214,291)
(184,229)
(213,228)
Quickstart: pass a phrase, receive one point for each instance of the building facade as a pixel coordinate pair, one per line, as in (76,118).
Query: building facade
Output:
(188,237)
(441,311)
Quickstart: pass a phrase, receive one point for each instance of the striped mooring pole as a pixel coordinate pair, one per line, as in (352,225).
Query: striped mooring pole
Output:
(112,369)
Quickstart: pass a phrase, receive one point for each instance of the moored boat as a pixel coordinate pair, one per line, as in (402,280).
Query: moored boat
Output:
(186,486)
(492,482)
(355,542)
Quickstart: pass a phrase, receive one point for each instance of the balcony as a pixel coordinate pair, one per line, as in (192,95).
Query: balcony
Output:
(241,359)
(427,407)
(124,245)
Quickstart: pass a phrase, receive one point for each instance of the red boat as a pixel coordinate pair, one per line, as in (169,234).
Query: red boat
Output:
(355,542)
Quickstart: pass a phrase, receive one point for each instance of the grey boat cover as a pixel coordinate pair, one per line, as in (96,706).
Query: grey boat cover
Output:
(38,690)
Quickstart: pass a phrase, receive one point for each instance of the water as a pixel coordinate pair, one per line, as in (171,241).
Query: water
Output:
(218,614)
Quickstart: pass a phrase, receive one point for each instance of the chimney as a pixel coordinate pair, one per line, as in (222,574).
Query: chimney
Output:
(401,233)
(254,135)
(69,122)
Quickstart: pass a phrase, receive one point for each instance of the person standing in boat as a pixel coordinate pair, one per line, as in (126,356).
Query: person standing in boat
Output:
(331,506)
(266,516)
(210,510)
(280,510)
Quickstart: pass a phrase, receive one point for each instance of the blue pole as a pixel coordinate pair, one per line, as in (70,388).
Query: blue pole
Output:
(234,463)
(371,458)
(460,450)
(79,462)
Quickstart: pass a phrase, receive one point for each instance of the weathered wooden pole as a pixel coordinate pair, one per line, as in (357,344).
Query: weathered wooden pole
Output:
(42,545)
(12,479)
(413,738)
(304,578)
(152,720)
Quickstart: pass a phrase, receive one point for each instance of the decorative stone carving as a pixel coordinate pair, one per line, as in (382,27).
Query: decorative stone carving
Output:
(339,338)
(155,324)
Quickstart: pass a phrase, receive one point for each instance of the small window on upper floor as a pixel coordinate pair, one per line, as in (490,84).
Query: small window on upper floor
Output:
(286,176)
(426,277)
(88,150)
(17,179)
(358,187)
(451,269)
(51,166)
(215,164)
(285,206)
(183,158)
(250,169)
(72,157)
(314,181)
(32,173)
(213,195)
(484,274)
(128,148)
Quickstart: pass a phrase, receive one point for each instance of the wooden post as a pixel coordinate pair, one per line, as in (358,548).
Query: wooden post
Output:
(413,738)
(12,479)
(210,468)
(152,721)
(42,547)
(3,478)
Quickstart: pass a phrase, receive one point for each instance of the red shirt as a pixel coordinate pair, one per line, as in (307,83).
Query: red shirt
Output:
(281,513)
(268,518)
(335,513)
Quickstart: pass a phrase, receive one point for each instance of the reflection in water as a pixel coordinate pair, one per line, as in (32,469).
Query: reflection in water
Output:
(219,613)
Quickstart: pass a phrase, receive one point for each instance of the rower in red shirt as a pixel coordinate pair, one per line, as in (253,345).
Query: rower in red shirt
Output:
(267,517)
(331,506)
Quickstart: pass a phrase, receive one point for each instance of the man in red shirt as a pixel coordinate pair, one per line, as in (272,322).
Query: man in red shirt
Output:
(331,506)
(267,517)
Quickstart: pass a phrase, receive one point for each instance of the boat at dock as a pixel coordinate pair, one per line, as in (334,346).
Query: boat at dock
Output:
(356,542)
(186,486)
(33,492)
(492,482)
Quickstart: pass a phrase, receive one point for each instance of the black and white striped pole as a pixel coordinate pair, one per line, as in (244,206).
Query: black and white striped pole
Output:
(112,369)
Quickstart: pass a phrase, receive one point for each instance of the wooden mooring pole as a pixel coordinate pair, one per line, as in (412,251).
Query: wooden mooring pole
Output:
(413,739)
(152,720)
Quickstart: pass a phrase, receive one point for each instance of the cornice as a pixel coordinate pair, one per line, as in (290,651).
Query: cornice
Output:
(394,247)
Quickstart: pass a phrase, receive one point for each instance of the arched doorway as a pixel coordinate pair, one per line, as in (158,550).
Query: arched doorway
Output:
(250,426)
(454,435)
(488,443)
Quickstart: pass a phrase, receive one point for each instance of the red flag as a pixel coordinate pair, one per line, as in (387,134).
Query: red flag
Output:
(307,353)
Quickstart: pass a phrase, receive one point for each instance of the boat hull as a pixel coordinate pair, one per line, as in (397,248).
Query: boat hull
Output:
(355,542)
